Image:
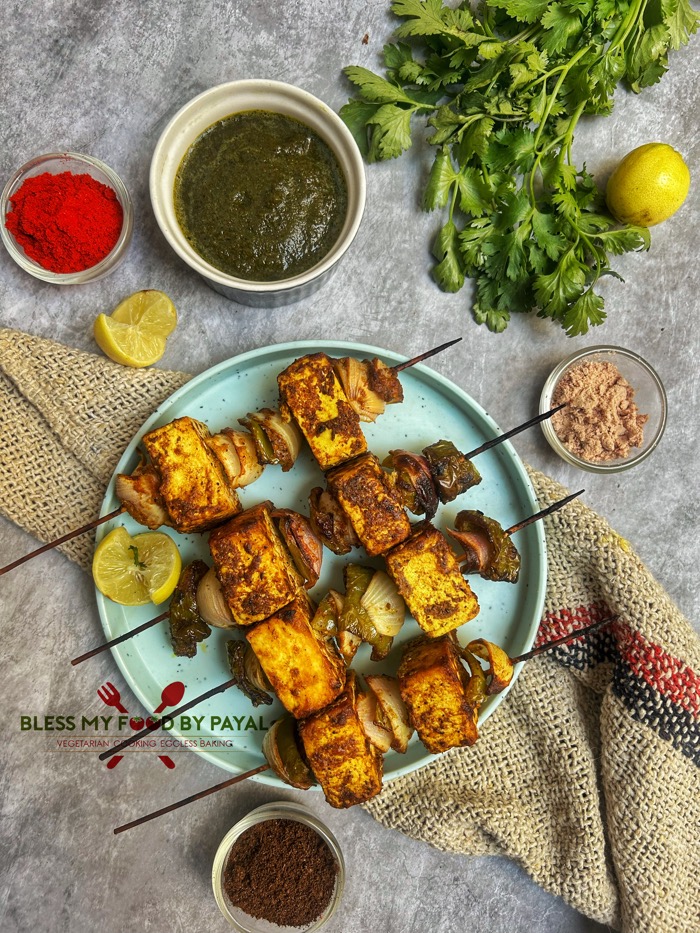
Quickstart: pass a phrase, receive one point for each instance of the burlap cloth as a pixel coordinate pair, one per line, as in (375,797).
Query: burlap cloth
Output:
(588,775)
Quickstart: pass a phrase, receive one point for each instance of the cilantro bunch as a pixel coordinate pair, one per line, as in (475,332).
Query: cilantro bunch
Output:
(503,88)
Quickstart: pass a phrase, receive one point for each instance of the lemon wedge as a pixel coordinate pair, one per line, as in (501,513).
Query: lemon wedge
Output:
(136,570)
(135,333)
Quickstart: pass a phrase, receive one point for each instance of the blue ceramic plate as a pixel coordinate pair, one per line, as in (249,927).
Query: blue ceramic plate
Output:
(433,408)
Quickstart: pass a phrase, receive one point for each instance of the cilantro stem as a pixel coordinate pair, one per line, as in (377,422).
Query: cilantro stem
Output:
(629,22)
(557,87)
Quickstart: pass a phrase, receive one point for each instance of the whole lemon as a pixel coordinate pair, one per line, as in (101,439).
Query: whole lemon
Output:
(648,185)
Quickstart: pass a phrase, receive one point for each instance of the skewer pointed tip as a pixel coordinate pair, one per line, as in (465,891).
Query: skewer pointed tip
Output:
(424,356)
(517,430)
(565,639)
(554,507)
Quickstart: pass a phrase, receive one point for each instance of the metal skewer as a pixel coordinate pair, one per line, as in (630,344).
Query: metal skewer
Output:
(170,716)
(120,638)
(264,767)
(508,434)
(554,507)
(62,540)
(424,356)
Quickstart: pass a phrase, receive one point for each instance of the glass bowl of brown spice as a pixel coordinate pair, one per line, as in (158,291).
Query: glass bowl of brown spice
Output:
(615,410)
(278,869)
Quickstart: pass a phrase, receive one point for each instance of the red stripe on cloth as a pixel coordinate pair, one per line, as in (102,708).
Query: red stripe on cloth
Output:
(670,676)
(557,624)
(645,660)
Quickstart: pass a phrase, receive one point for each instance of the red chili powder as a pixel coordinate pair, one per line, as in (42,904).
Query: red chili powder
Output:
(65,222)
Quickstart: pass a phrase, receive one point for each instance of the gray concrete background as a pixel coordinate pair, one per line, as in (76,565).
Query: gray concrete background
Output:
(104,78)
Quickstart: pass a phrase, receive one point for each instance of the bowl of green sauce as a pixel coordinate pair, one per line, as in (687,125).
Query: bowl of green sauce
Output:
(260,188)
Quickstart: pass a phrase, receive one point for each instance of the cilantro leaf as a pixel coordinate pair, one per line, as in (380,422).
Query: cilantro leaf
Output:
(449,272)
(375,88)
(392,131)
(586,312)
(440,182)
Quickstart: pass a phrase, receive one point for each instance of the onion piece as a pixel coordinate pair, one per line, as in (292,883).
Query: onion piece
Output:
(140,496)
(247,672)
(348,643)
(413,482)
(330,522)
(386,690)
(384,604)
(211,603)
(284,436)
(384,380)
(500,670)
(237,454)
(302,543)
(281,748)
(377,733)
(354,377)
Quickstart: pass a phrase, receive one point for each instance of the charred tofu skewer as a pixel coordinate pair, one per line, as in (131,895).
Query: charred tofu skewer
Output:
(364,499)
(438,732)
(443,697)
(329,398)
(230,459)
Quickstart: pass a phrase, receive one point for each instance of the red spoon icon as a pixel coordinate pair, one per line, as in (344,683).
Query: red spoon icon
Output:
(171,696)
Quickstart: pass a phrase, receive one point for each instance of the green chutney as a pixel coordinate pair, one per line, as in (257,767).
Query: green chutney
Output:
(260,196)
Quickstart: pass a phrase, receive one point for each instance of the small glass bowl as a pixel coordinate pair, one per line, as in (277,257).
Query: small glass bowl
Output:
(649,397)
(54,163)
(281,810)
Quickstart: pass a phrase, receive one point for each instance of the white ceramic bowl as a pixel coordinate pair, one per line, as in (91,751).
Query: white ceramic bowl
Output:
(223,101)
(55,163)
(281,810)
(649,397)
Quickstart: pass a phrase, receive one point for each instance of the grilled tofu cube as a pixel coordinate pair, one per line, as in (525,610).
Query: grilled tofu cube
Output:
(193,484)
(305,672)
(426,572)
(374,510)
(313,394)
(256,572)
(348,768)
(433,681)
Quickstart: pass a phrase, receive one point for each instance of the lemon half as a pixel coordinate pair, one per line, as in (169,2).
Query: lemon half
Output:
(648,186)
(135,333)
(136,570)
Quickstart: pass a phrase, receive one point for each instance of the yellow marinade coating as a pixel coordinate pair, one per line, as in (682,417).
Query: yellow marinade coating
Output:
(432,681)
(305,672)
(361,488)
(311,391)
(346,765)
(426,572)
(193,485)
(256,572)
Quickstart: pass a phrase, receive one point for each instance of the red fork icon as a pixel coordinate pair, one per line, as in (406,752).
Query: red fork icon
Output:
(110,696)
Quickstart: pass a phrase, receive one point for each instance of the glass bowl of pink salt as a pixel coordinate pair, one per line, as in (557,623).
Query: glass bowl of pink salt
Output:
(615,409)
(278,870)
(66,218)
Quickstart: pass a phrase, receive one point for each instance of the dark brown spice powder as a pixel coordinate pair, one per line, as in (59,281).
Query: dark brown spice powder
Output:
(281,871)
